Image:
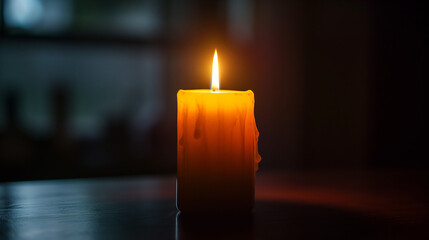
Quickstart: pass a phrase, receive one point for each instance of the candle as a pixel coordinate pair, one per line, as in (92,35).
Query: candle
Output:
(217,152)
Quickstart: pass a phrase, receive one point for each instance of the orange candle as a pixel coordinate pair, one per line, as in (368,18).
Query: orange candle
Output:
(217,151)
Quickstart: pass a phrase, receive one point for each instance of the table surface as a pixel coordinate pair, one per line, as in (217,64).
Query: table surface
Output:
(338,205)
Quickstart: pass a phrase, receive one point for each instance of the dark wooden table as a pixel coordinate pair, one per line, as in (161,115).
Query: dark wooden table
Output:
(310,205)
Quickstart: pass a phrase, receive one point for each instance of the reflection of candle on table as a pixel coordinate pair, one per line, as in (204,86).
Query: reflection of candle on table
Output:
(217,152)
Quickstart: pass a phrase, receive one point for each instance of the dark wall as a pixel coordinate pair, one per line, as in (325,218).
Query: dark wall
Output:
(398,72)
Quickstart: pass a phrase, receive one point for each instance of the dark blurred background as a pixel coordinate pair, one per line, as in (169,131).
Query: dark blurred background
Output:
(88,88)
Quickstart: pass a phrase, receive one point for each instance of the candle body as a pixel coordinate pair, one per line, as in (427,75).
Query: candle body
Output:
(217,155)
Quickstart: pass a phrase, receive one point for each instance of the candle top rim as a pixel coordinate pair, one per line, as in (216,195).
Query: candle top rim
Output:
(214,92)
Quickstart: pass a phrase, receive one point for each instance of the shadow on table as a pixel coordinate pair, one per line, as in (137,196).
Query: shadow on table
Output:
(276,220)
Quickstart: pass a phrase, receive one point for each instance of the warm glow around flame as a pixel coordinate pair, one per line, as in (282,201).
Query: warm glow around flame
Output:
(215,74)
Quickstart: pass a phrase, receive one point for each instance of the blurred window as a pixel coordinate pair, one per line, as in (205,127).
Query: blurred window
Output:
(130,18)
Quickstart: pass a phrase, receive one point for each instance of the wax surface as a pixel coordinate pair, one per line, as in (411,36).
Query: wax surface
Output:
(217,153)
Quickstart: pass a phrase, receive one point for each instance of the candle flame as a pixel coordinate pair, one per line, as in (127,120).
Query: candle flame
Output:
(215,74)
